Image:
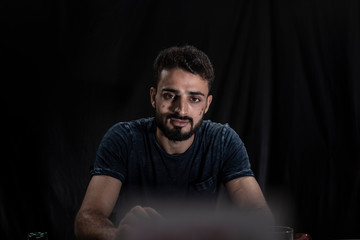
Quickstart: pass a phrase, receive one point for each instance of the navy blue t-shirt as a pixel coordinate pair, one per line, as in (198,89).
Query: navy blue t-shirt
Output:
(130,152)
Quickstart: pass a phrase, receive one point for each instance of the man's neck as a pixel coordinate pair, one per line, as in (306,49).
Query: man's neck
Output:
(173,147)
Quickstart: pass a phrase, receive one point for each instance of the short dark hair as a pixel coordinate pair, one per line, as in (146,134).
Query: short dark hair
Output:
(188,58)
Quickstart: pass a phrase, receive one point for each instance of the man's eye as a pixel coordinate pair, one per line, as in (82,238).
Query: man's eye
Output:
(195,99)
(168,96)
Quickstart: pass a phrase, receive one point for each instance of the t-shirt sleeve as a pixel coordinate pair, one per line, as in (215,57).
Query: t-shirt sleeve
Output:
(235,158)
(112,153)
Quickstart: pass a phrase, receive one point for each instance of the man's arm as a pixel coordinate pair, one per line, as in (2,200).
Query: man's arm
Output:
(92,220)
(245,192)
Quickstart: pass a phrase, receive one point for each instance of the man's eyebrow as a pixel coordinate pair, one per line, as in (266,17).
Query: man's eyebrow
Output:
(196,93)
(170,90)
(177,91)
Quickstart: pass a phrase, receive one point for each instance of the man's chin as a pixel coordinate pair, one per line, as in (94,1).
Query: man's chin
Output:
(181,130)
(178,136)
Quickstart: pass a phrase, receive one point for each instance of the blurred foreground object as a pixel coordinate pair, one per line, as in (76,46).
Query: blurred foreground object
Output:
(37,235)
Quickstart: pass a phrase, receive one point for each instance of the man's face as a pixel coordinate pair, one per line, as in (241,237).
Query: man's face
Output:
(180,100)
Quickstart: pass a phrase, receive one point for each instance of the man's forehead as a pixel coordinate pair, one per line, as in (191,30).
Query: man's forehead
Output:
(181,80)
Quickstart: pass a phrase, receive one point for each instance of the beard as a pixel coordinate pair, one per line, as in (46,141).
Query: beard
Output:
(175,134)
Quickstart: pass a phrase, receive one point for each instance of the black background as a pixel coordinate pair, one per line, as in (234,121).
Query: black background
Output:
(287,80)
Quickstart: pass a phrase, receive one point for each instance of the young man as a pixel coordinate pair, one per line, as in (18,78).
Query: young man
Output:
(175,157)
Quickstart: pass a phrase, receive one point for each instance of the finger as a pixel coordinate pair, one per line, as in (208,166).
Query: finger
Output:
(140,212)
(153,214)
(124,232)
(129,219)
(136,215)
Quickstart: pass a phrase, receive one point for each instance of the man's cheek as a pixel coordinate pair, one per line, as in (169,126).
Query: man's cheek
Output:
(202,112)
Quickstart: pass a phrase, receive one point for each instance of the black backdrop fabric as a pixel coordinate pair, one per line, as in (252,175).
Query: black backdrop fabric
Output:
(287,80)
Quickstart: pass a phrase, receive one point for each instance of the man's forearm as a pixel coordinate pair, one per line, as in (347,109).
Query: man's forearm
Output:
(90,224)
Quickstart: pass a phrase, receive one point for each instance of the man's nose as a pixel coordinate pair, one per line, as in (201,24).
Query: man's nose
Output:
(181,106)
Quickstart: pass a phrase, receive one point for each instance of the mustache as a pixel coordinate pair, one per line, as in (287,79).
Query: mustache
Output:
(179,117)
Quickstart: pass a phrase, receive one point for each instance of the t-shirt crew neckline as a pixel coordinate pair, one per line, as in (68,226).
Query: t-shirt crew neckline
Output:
(176,155)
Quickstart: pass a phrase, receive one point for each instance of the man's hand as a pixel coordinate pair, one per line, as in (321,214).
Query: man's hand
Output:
(139,215)
(135,221)
(92,220)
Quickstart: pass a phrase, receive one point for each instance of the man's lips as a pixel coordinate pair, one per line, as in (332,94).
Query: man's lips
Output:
(179,122)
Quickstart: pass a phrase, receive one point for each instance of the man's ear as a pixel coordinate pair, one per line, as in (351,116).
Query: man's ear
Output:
(152,96)
(209,100)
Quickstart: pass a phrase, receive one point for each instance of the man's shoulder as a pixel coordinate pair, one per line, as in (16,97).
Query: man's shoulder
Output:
(130,127)
(209,126)
(135,124)
(221,131)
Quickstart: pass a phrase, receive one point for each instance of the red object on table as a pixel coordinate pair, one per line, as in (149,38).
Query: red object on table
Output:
(302,236)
